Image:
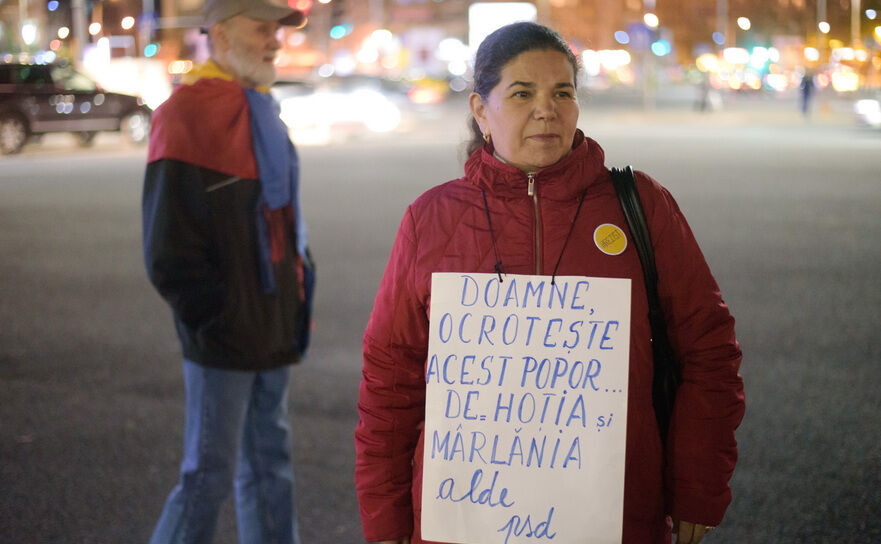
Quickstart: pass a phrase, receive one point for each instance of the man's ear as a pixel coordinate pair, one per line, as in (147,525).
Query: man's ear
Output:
(219,37)
(475,102)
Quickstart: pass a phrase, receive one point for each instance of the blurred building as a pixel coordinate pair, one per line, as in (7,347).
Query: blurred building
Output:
(589,22)
(414,38)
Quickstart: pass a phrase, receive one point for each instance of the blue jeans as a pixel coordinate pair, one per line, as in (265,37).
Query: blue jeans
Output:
(237,434)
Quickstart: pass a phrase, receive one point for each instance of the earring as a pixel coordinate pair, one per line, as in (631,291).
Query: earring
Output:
(486,137)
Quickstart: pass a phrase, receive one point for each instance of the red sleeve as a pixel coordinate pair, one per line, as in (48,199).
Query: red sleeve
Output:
(701,449)
(391,403)
(207,124)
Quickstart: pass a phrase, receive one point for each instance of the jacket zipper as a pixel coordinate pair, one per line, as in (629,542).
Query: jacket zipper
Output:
(531,192)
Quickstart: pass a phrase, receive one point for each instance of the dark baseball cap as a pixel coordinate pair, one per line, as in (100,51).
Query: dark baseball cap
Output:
(216,11)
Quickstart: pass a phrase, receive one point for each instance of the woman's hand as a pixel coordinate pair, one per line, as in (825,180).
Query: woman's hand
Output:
(690,533)
(401,541)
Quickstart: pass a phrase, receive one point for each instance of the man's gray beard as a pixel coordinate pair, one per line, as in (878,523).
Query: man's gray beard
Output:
(249,69)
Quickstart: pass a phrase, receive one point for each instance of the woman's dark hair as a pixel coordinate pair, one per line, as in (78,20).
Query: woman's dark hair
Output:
(502,46)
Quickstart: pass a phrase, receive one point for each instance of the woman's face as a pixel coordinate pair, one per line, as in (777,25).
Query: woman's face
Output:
(532,112)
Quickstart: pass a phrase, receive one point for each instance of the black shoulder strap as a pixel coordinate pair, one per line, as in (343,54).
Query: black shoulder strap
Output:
(666,369)
(625,187)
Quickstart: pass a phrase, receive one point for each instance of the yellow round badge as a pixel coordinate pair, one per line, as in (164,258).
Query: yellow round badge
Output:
(610,239)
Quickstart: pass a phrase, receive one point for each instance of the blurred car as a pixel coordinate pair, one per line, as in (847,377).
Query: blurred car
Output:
(36,99)
(428,91)
(868,112)
(339,107)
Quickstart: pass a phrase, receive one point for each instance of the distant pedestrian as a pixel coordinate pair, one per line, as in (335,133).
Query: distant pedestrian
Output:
(703,102)
(534,195)
(225,246)
(807,92)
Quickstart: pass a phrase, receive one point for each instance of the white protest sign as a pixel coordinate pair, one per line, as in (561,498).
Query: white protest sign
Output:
(526,409)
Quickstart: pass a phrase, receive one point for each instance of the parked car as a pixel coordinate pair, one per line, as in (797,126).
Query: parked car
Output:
(36,99)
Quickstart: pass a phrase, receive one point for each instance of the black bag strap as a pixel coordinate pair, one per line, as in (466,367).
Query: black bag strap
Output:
(667,376)
(625,187)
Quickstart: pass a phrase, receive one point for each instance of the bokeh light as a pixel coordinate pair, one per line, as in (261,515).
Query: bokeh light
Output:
(661,48)
(29,32)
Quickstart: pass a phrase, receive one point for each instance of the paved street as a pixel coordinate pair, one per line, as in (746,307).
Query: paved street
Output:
(788,213)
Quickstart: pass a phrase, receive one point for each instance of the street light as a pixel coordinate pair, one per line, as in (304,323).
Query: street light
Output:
(127,23)
(855,23)
(721,22)
(823,29)
(648,79)
(29,32)
(744,23)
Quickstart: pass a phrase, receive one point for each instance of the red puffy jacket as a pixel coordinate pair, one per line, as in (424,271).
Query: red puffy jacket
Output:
(445,230)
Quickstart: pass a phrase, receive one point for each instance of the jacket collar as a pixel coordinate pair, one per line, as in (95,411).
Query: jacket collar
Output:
(561,181)
(210,70)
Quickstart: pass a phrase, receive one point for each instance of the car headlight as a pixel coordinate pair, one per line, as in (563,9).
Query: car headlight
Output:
(376,111)
(867,106)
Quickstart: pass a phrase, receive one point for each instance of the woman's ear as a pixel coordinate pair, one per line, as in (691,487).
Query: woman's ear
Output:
(475,102)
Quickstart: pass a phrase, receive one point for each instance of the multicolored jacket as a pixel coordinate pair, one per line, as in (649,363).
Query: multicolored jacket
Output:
(234,270)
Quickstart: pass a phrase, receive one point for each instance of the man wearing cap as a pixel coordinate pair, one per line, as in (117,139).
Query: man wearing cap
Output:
(225,246)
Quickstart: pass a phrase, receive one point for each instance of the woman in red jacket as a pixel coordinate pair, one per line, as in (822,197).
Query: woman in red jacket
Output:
(535,190)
